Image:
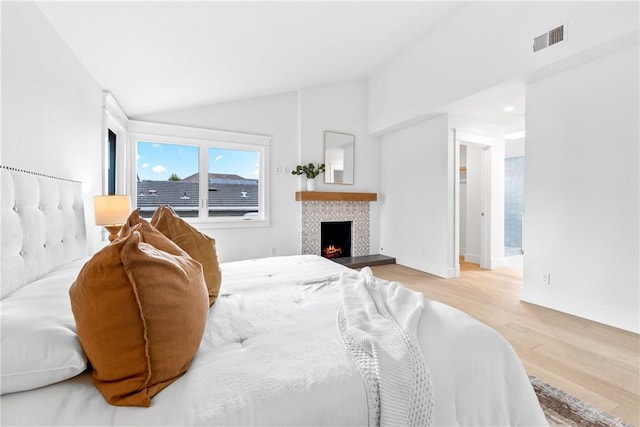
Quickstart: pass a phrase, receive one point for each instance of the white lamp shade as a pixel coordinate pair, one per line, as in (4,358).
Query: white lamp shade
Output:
(111,210)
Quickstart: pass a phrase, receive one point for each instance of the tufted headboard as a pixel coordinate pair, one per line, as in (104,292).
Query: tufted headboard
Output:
(42,226)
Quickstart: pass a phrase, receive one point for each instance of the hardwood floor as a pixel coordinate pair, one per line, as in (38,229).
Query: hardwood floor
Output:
(595,362)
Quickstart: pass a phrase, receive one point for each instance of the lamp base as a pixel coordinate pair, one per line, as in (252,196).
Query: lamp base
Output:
(113,231)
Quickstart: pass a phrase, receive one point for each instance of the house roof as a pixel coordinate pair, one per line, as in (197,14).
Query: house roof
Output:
(224,194)
(223,178)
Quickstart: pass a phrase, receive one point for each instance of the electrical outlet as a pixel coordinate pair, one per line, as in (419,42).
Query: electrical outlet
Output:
(545,278)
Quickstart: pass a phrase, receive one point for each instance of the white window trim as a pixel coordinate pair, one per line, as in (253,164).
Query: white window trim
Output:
(204,139)
(114,118)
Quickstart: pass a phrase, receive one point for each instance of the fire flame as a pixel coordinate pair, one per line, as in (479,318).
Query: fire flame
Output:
(332,251)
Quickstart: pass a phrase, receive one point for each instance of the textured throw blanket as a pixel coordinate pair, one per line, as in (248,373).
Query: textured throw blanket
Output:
(378,322)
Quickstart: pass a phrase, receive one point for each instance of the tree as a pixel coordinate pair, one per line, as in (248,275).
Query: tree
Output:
(174,177)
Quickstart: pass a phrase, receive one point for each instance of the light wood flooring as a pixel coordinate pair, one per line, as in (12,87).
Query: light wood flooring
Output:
(592,361)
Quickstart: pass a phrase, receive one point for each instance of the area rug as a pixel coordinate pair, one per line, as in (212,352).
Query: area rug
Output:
(564,409)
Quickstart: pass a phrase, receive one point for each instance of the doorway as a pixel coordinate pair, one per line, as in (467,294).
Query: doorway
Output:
(499,113)
(473,198)
(514,202)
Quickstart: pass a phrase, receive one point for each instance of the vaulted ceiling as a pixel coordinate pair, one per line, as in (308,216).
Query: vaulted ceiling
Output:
(158,56)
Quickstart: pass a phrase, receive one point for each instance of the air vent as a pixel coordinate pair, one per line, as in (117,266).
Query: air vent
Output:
(549,38)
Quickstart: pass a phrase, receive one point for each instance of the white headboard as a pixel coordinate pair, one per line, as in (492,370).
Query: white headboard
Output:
(42,226)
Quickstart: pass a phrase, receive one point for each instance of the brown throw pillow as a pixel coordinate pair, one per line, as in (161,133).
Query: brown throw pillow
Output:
(149,234)
(198,245)
(133,220)
(140,314)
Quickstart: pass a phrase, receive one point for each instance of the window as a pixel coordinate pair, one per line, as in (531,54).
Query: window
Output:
(167,174)
(234,178)
(111,169)
(115,147)
(204,180)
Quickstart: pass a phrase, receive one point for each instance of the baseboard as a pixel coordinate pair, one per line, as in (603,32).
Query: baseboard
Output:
(472,258)
(506,262)
(444,273)
(585,309)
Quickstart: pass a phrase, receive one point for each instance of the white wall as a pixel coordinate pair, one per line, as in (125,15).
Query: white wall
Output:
(52,123)
(275,116)
(514,148)
(343,107)
(296,121)
(415,186)
(398,219)
(581,216)
(447,64)
(582,191)
(51,106)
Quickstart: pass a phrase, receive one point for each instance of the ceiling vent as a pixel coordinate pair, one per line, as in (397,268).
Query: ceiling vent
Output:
(549,38)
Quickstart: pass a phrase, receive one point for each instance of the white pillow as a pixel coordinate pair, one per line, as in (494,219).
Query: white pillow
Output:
(39,343)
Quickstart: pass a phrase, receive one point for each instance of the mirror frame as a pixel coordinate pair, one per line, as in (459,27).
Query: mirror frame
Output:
(328,178)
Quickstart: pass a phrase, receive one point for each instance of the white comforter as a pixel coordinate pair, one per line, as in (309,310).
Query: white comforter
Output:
(272,355)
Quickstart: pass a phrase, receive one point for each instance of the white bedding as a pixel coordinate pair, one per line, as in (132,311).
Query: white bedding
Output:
(272,355)
(378,321)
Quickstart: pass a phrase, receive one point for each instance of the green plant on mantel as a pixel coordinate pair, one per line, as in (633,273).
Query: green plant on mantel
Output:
(310,170)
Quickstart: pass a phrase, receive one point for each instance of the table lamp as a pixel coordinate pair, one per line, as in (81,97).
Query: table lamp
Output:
(111,212)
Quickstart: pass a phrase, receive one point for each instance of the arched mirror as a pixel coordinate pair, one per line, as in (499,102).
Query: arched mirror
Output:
(338,157)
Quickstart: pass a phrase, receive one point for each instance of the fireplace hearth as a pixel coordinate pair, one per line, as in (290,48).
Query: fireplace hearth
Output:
(335,239)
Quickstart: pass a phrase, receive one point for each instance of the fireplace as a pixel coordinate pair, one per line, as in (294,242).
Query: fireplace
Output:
(314,212)
(335,239)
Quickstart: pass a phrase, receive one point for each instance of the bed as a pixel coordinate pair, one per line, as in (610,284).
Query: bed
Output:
(275,349)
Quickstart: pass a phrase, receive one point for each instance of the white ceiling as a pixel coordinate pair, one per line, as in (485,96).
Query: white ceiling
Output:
(490,105)
(159,56)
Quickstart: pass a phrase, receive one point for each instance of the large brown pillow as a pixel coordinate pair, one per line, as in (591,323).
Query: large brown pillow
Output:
(140,314)
(198,245)
(133,220)
(149,234)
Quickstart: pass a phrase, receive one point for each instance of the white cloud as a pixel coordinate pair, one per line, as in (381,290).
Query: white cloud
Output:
(145,165)
(155,146)
(218,157)
(159,169)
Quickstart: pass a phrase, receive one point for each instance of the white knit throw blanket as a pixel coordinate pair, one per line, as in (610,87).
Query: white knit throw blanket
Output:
(378,322)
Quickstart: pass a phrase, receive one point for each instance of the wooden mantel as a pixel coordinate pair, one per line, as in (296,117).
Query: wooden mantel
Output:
(334,196)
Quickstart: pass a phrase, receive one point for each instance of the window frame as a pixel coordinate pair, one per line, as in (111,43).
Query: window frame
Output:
(112,139)
(205,139)
(114,120)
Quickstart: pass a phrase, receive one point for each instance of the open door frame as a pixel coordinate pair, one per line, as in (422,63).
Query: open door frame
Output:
(486,144)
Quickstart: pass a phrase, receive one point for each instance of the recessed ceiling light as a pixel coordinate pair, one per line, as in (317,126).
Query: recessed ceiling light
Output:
(509,108)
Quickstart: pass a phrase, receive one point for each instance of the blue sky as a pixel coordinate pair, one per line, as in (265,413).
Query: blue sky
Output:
(157,162)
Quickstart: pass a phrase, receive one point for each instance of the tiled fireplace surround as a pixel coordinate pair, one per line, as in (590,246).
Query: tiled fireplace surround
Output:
(313,213)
